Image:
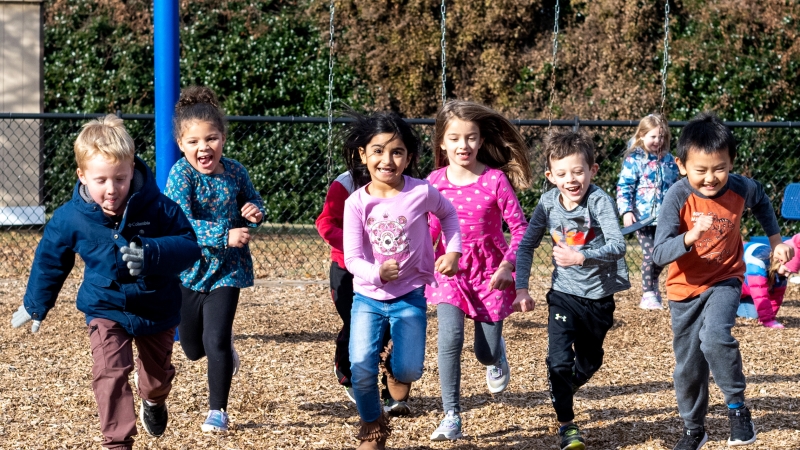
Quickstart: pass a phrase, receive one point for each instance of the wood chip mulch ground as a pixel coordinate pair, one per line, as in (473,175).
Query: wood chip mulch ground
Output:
(286,396)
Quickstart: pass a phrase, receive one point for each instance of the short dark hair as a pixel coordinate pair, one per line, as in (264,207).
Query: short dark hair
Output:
(706,133)
(565,142)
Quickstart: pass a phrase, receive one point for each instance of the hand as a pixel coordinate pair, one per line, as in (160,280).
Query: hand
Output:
(238,237)
(565,256)
(21,317)
(447,264)
(523,302)
(783,252)
(389,270)
(134,256)
(502,278)
(628,219)
(702,223)
(251,213)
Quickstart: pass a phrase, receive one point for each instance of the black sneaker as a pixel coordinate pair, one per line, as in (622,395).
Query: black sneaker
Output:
(571,438)
(743,431)
(692,439)
(154,418)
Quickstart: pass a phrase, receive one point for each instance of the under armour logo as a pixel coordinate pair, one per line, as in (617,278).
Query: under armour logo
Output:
(561,318)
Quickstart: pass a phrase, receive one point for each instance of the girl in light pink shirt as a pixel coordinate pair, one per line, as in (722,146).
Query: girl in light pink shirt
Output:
(481,158)
(388,250)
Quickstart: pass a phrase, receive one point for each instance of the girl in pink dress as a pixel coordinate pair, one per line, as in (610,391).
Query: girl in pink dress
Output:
(481,159)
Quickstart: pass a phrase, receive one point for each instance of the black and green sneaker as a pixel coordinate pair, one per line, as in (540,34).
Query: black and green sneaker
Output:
(571,438)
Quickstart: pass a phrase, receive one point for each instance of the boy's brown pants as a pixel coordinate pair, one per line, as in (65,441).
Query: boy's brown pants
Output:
(112,353)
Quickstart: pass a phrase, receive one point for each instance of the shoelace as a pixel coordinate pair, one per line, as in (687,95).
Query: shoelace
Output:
(450,422)
(497,371)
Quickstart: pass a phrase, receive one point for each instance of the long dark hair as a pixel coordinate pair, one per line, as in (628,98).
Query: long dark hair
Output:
(503,146)
(357,134)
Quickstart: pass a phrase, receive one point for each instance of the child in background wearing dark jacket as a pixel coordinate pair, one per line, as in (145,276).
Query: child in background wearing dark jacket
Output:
(134,242)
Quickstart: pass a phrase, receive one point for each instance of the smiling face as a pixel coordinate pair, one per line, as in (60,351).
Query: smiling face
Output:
(462,140)
(386,157)
(654,140)
(108,182)
(572,175)
(706,172)
(201,142)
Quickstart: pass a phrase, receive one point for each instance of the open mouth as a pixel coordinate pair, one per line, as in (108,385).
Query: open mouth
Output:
(463,155)
(205,161)
(573,189)
(385,170)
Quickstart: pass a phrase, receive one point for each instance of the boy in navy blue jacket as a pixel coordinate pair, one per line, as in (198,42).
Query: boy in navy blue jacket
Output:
(135,242)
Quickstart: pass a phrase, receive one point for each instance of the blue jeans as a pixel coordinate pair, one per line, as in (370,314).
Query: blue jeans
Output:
(407,320)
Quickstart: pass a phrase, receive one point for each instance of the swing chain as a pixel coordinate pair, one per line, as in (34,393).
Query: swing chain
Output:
(444,55)
(553,74)
(666,56)
(330,96)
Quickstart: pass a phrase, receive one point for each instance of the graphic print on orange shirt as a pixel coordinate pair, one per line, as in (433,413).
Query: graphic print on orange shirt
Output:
(711,245)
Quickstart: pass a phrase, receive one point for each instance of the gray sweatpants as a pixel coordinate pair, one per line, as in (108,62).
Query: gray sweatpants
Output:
(451,341)
(702,341)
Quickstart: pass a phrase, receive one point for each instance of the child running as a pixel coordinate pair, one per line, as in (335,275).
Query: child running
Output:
(134,242)
(589,268)
(329,225)
(481,159)
(699,233)
(221,203)
(647,173)
(387,247)
(765,280)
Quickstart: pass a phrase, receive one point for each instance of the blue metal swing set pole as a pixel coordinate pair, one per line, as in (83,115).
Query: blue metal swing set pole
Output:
(166,51)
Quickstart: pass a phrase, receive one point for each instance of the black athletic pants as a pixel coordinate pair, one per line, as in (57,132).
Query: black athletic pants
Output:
(576,328)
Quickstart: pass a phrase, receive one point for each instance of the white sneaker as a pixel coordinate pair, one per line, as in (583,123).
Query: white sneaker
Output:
(449,428)
(498,376)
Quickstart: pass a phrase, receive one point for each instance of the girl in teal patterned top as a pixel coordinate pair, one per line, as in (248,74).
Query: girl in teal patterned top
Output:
(219,199)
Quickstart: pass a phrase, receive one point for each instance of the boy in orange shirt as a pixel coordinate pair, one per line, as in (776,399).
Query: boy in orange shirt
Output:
(698,232)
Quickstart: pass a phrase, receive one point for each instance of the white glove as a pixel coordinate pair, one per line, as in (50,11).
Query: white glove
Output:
(134,256)
(21,317)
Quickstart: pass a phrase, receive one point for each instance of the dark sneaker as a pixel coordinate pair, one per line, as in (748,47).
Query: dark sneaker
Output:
(396,407)
(571,438)
(743,431)
(692,439)
(154,418)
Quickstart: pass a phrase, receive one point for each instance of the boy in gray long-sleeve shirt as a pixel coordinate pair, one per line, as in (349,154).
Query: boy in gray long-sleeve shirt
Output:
(699,233)
(589,268)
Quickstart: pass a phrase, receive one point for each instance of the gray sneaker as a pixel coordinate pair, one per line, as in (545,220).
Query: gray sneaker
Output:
(449,428)
(498,375)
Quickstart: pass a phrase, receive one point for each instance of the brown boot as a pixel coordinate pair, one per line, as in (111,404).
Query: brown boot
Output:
(373,434)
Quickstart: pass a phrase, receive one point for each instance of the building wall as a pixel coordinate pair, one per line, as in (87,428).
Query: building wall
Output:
(21,87)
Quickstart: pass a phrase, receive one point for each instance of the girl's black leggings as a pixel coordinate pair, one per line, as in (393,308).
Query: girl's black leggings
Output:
(205,330)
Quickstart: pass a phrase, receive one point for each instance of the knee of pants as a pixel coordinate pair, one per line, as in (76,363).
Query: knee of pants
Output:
(558,367)
(363,374)
(216,344)
(407,374)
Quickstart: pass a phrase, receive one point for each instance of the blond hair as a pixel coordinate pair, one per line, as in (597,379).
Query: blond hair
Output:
(503,146)
(645,126)
(107,137)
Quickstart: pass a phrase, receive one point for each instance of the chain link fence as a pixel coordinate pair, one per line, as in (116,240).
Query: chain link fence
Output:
(288,161)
